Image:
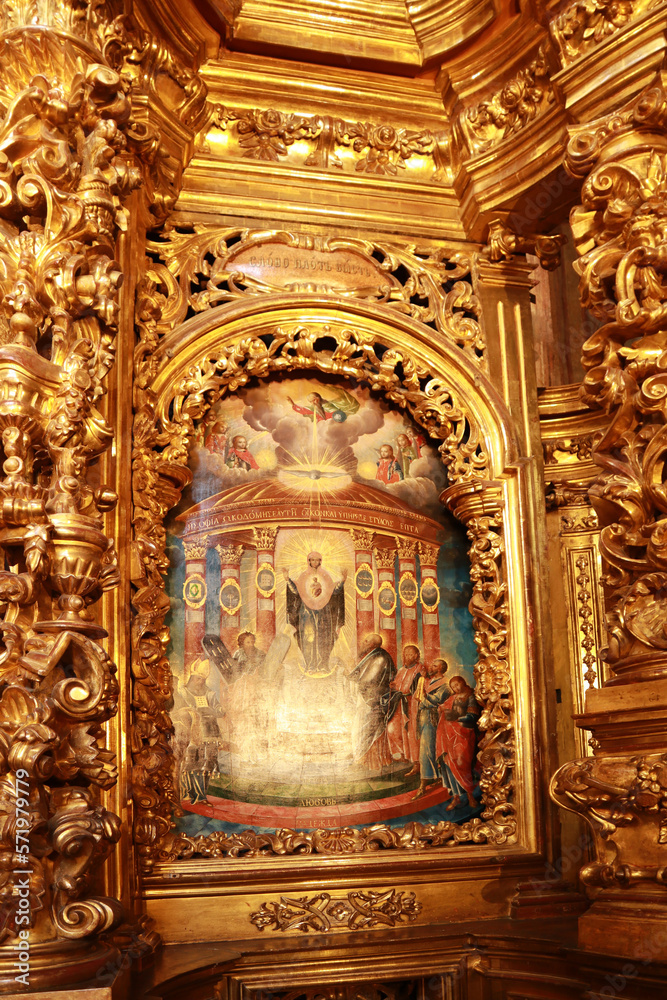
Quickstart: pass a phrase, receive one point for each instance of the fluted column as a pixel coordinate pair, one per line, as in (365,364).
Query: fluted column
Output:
(620,232)
(265,582)
(429,595)
(364,582)
(230,593)
(194,595)
(386,597)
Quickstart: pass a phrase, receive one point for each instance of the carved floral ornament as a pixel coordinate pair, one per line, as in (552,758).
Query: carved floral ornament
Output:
(178,378)
(198,267)
(72,151)
(619,230)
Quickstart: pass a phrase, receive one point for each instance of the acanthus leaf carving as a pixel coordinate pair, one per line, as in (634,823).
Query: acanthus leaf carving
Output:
(619,230)
(438,290)
(511,108)
(348,911)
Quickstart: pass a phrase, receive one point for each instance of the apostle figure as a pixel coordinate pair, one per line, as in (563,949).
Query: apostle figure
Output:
(402,727)
(315,606)
(197,733)
(238,456)
(389,470)
(248,656)
(455,741)
(373,676)
(431,693)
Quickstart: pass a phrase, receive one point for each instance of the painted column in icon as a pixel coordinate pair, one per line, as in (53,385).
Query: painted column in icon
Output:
(194,595)
(230,593)
(265,583)
(386,598)
(408,591)
(364,582)
(429,597)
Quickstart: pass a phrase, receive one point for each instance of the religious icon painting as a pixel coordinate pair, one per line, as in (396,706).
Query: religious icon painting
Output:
(321,643)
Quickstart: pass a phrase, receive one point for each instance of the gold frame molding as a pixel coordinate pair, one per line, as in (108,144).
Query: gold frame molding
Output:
(177,378)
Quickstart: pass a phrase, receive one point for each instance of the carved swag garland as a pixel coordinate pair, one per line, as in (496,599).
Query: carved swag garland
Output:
(163,431)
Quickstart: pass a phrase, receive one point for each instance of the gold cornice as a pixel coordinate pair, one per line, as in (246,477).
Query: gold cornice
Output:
(407,35)
(245,189)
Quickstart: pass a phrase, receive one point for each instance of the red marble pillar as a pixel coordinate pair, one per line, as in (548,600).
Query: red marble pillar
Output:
(265,582)
(408,592)
(194,595)
(429,595)
(230,594)
(364,582)
(386,597)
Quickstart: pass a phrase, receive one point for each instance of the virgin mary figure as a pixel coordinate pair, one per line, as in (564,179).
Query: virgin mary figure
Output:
(315,606)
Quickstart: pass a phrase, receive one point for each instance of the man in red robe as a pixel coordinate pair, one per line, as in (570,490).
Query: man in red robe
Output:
(455,741)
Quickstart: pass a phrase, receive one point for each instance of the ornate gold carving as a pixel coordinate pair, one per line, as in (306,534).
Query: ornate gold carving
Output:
(350,911)
(503,242)
(264,537)
(620,233)
(511,108)
(585,580)
(580,519)
(378,149)
(265,135)
(580,447)
(71,154)
(438,290)
(165,426)
(586,23)
(489,610)
(613,792)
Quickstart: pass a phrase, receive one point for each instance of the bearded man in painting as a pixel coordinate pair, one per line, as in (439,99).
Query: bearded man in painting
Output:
(316,608)
(373,676)
(402,728)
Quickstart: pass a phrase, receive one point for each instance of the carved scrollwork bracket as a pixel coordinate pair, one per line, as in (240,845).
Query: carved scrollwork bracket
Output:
(624,798)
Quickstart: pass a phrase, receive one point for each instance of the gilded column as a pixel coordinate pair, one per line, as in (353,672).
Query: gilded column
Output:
(265,582)
(364,582)
(230,593)
(386,597)
(429,598)
(408,591)
(619,230)
(194,595)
